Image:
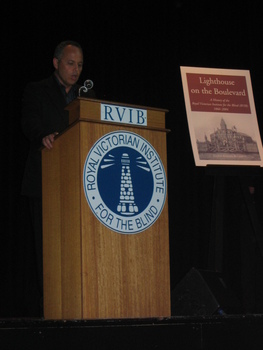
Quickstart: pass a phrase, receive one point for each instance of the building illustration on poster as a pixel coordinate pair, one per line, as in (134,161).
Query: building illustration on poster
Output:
(229,144)
(221,117)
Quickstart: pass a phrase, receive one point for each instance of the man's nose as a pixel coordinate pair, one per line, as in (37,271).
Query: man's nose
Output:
(76,68)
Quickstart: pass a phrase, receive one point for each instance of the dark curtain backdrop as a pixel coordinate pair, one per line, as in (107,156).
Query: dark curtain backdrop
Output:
(133,52)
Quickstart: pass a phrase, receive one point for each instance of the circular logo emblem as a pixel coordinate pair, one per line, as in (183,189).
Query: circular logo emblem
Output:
(124,182)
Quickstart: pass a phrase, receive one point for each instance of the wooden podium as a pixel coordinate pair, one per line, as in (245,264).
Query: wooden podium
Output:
(90,271)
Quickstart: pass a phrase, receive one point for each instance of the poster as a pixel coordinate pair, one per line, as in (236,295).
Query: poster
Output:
(221,116)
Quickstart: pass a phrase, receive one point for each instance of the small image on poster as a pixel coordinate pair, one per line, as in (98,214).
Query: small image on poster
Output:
(221,116)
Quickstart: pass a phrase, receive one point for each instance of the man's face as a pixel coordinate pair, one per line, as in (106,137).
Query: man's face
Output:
(69,67)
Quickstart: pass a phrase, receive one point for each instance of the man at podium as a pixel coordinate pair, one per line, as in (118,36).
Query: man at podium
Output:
(43,117)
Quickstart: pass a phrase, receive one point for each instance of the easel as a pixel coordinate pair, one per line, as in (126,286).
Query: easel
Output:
(215,258)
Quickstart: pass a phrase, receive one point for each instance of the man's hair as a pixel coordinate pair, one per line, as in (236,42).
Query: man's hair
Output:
(60,47)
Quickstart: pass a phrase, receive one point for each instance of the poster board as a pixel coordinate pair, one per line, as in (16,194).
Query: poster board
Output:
(221,116)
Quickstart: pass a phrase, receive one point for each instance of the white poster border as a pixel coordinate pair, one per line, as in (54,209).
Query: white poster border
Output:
(206,124)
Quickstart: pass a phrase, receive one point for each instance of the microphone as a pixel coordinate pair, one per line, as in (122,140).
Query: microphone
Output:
(88,84)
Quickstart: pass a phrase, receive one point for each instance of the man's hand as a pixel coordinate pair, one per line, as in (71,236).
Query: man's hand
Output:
(48,140)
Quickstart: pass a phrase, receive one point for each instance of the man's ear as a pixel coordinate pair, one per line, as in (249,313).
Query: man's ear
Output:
(55,62)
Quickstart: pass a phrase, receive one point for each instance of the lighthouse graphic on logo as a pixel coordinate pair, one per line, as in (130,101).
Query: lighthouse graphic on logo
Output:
(127,205)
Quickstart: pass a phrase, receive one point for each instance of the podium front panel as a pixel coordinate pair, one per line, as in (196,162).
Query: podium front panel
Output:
(124,275)
(90,270)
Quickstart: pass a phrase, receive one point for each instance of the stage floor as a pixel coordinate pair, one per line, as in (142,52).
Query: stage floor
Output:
(213,332)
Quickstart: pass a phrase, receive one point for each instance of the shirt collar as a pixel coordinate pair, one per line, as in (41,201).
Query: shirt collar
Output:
(71,95)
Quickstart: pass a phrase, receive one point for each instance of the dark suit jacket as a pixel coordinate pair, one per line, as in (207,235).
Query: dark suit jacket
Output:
(42,114)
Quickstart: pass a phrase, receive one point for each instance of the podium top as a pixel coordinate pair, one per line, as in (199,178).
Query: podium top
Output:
(87,109)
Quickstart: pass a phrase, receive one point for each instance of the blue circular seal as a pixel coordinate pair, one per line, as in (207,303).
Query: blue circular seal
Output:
(124,182)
